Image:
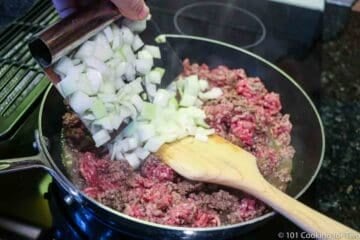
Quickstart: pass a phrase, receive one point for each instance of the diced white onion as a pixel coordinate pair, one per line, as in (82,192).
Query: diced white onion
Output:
(95,63)
(101,137)
(135,26)
(63,66)
(80,102)
(142,153)
(143,66)
(132,159)
(153,144)
(109,34)
(137,43)
(145,131)
(211,94)
(102,49)
(127,35)
(153,50)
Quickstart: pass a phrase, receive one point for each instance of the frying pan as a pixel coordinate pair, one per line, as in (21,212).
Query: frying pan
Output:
(98,221)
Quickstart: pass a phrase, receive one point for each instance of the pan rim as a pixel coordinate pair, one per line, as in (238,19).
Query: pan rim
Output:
(189,230)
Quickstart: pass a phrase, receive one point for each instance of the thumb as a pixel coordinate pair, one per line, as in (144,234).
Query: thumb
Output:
(132,9)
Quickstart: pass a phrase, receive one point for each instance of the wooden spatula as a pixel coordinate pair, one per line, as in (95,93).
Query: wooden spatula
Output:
(221,162)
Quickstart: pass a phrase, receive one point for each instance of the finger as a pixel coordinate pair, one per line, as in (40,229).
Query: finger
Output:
(65,7)
(132,9)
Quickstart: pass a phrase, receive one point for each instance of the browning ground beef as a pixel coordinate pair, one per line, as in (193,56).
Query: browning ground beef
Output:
(247,115)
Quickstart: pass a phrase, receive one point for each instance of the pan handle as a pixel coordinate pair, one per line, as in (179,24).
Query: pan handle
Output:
(40,161)
(22,163)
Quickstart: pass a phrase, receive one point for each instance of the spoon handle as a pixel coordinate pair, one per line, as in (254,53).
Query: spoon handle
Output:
(313,222)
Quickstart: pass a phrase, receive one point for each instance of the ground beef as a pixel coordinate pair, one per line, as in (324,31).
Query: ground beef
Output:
(247,115)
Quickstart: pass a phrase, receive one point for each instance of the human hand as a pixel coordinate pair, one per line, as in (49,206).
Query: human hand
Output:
(132,9)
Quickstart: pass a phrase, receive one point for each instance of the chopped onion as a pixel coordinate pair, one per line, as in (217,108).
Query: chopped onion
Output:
(211,94)
(137,43)
(153,50)
(161,38)
(130,72)
(108,34)
(69,84)
(145,131)
(120,69)
(95,63)
(155,75)
(144,54)
(86,50)
(204,85)
(149,111)
(192,86)
(117,38)
(187,100)
(80,102)
(101,137)
(142,153)
(135,26)
(98,109)
(132,143)
(128,53)
(162,97)
(132,159)
(143,66)
(127,35)
(137,102)
(95,80)
(102,49)
(63,66)
(150,89)
(153,144)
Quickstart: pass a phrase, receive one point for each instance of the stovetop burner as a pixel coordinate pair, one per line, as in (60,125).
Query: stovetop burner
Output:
(219,21)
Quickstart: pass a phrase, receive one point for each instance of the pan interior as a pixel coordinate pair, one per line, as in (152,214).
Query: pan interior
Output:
(307,134)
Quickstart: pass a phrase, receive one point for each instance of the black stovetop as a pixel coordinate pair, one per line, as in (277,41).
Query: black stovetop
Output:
(283,34)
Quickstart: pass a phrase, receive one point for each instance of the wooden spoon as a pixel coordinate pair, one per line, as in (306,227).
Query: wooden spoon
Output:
(221,162)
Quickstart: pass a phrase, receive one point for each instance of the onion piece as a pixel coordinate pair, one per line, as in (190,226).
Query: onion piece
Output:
(162,97)
(192,86)
(143,66)
(102,49)
(137,43)
(137,102)
(127,35)
(101,137)
(95,80)
(132,159)
(80,102)
(85,50)
(150,89)
(108,34)
(211,94)
(142,153)
(154,144)
(63,65)
(153,50)
(145,131)
(69,84)
(149,111)
(132,143)
(117,38)
(144,54)
(188,100)
(203,84)
(95,63)
(155,75)
(135,26)
(128,53)
(98,108)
